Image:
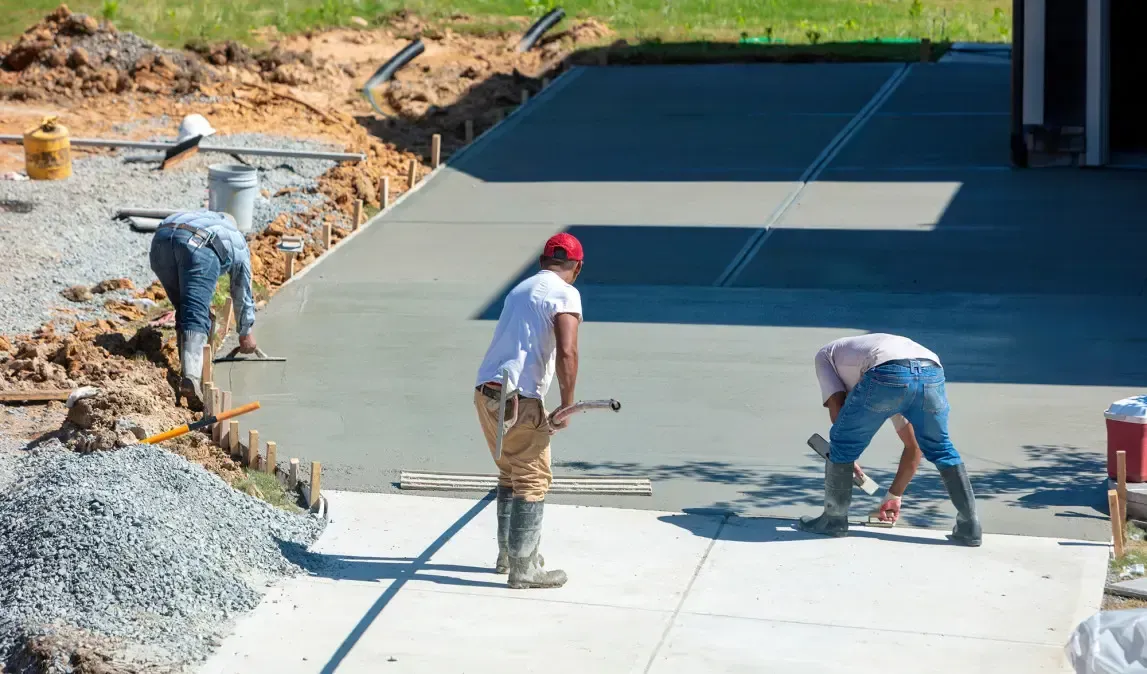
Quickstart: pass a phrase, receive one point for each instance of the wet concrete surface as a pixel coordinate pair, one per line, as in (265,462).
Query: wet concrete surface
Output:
(1027,284)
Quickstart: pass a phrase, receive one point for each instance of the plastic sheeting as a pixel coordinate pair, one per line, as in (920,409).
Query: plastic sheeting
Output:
(1110,642)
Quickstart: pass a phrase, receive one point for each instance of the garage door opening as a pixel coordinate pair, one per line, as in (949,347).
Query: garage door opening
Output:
(1128,84)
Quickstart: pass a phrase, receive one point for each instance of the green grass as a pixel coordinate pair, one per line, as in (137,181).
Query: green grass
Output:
(223,291)
(268,488)
(176,22)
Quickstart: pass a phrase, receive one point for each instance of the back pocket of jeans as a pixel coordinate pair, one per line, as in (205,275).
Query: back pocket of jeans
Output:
(884,398)
(935,399)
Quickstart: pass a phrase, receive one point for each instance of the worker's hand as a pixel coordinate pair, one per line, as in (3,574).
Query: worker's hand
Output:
(247,343)
(555,426)
(857,471)
(889,510)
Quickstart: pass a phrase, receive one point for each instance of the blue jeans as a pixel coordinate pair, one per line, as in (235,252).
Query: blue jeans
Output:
(188,273)
(914,388)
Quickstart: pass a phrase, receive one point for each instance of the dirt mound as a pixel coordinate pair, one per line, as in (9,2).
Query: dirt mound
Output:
(76,55)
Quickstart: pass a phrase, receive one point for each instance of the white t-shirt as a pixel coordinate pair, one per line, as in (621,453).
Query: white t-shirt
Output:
(841,363)
(524,338)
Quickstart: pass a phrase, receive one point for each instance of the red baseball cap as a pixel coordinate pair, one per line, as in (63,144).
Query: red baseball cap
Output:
(564,246)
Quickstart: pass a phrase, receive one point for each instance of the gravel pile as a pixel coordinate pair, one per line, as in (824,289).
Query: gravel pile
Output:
(138,545)
(63,233)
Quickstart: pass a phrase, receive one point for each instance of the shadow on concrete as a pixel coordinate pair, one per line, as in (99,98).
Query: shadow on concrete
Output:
(1051,477)
(374,569)
(772,530)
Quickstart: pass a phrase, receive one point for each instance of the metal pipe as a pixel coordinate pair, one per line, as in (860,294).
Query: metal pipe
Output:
(256,151)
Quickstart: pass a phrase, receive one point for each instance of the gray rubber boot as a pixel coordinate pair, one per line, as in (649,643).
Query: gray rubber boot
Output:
(967,529)
(837,497)
(191,365)
(505,500)
(525,538)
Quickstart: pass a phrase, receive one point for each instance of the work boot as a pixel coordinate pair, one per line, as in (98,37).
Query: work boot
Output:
(525,537)
(837,497)
(505,499)
(967,529)
(191,366)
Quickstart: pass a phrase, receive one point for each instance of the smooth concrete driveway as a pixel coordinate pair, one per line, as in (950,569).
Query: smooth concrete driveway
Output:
(735,219)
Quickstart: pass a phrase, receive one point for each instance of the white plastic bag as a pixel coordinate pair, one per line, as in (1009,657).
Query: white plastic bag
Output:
(1110,642)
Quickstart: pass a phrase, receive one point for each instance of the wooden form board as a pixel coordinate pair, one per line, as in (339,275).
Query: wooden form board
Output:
(621,486)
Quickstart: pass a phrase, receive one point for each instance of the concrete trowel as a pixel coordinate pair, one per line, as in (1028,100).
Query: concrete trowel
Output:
(233,356)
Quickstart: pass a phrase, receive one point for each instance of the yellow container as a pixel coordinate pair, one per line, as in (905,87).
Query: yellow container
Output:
(48,151)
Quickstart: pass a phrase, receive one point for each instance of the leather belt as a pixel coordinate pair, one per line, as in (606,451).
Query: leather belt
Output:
(491,392)
(205,237)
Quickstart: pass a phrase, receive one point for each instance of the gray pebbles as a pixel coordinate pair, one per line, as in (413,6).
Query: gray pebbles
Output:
(138,545)
(56,234)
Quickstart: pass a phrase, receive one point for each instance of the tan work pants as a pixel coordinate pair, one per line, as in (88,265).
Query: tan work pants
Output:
(525,462)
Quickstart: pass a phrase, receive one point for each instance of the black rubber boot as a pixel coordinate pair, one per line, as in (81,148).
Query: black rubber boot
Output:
(837,497)
(967,529)
(525,537)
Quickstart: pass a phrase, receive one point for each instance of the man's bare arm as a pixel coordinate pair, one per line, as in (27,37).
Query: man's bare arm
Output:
(834,403)
(565,330)
(909,461)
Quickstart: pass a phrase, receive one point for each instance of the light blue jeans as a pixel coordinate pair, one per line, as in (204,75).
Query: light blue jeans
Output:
(914,388)
(188,273)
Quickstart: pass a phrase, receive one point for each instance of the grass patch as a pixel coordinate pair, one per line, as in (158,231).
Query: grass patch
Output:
(267,488)
(223,290)
(176,22)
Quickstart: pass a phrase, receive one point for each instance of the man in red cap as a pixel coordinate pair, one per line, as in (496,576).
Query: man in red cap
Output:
(536,336)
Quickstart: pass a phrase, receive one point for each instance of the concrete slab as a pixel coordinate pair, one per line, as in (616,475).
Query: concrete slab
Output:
(657,592)
(1019,588)
(384,336)
(947,88)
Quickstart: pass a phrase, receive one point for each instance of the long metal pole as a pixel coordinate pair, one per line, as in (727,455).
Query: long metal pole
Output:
(257,151)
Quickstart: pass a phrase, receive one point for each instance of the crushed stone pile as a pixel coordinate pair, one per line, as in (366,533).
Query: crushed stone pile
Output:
(79,56)
(138,548)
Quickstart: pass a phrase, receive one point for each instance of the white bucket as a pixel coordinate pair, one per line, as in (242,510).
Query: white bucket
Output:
(231,188)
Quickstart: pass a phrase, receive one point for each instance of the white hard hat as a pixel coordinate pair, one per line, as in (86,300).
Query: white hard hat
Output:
(194,125)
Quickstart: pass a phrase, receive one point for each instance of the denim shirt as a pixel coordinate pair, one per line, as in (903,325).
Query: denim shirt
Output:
(238,260)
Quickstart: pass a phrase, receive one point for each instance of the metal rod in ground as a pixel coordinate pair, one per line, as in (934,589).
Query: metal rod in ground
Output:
(254,151)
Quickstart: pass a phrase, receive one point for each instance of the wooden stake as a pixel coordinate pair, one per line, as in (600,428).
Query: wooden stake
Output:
(1121,468)
(288,263)
(1116,530)
(357,214)
(925,50)
(327,232)
(233,438)
(469,131)
(269,464)
(525,96)
(384,200)
(208,399)
(435,150)
(293,475)
(205,375)
(252,448)
(35,396)
(228,310)
(412,174)
(316,478)
(221,427)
